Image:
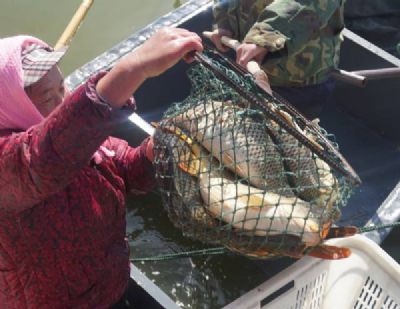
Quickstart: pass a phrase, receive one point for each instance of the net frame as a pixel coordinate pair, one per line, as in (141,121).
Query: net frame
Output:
(331,155)
(211,230)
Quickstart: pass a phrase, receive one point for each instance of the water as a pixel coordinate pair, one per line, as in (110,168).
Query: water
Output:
(202,282)
(106,24)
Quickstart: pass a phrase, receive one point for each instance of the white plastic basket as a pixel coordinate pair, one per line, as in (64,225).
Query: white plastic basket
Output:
(368,279)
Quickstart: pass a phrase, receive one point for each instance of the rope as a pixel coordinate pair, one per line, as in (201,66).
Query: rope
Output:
(370,228)
(222,250)
(187,254)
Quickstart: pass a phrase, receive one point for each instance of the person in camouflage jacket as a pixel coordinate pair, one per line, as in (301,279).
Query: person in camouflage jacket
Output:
(296,42)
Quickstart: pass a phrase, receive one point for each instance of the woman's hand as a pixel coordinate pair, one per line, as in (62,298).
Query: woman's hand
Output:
(163,50)
(216,36)
(249,51)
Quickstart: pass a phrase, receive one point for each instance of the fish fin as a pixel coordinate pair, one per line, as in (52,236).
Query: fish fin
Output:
(191,167)
(256,253)
(179,133)
(227,159)
(255,201)
(276,245)
(264,252)
(252,200)
(230,163)
(189,163)
(325,229)
(342,231)
(329,252)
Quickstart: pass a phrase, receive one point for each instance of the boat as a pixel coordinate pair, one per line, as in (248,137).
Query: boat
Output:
(363,117)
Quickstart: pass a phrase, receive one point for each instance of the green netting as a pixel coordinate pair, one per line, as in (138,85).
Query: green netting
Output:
(240,168)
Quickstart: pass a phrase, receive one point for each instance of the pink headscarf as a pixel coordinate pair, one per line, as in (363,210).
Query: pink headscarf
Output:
(16,109)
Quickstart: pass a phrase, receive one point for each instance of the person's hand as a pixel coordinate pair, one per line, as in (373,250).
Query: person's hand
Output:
(250,57)
(249,51)
(216,36)
(165,48)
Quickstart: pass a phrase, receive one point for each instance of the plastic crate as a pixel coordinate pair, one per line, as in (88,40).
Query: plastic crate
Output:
(368,279)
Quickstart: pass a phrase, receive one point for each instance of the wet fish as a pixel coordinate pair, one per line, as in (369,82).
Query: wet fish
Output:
(310,177)
(254,210)
(262,223)
(180,190)
(250,209)
(238,139)
(277,225)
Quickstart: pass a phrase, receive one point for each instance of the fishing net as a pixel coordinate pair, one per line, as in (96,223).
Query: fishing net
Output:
(241,168)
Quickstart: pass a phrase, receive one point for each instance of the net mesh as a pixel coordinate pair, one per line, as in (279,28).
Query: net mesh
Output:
(241,168)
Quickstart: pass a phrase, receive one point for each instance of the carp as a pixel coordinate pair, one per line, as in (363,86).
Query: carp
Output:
(237,137)
(254,212)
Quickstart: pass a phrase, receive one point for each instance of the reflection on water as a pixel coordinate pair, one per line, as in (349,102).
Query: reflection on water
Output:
(199,282)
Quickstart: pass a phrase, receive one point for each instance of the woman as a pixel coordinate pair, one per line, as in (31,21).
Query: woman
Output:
(64,180)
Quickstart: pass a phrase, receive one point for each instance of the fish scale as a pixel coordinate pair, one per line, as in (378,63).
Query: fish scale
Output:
(310,177)
(187,211)
(234,204)
(184,205)
(239,193)
(236,139)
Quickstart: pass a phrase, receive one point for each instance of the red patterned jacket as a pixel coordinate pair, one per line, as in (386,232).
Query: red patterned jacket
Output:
(62,217)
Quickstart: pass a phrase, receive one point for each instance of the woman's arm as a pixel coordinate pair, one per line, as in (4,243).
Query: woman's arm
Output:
(159,53)
(44,159)
(132,164)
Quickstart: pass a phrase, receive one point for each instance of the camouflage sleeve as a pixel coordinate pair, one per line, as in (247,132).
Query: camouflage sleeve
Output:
(221,17)
(291,24)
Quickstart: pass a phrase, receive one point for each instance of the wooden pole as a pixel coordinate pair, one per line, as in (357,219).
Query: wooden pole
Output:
(74,24)
(69,33)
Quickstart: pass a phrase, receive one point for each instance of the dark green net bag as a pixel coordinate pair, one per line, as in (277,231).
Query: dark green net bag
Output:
(241,168)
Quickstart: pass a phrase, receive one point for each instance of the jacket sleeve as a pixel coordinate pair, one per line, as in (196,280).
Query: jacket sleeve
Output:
(44,159)
(291,24)
(132,164)
(220,12)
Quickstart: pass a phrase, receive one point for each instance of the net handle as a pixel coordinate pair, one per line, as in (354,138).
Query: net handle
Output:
(346,171)
(252,66)
(261,80)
